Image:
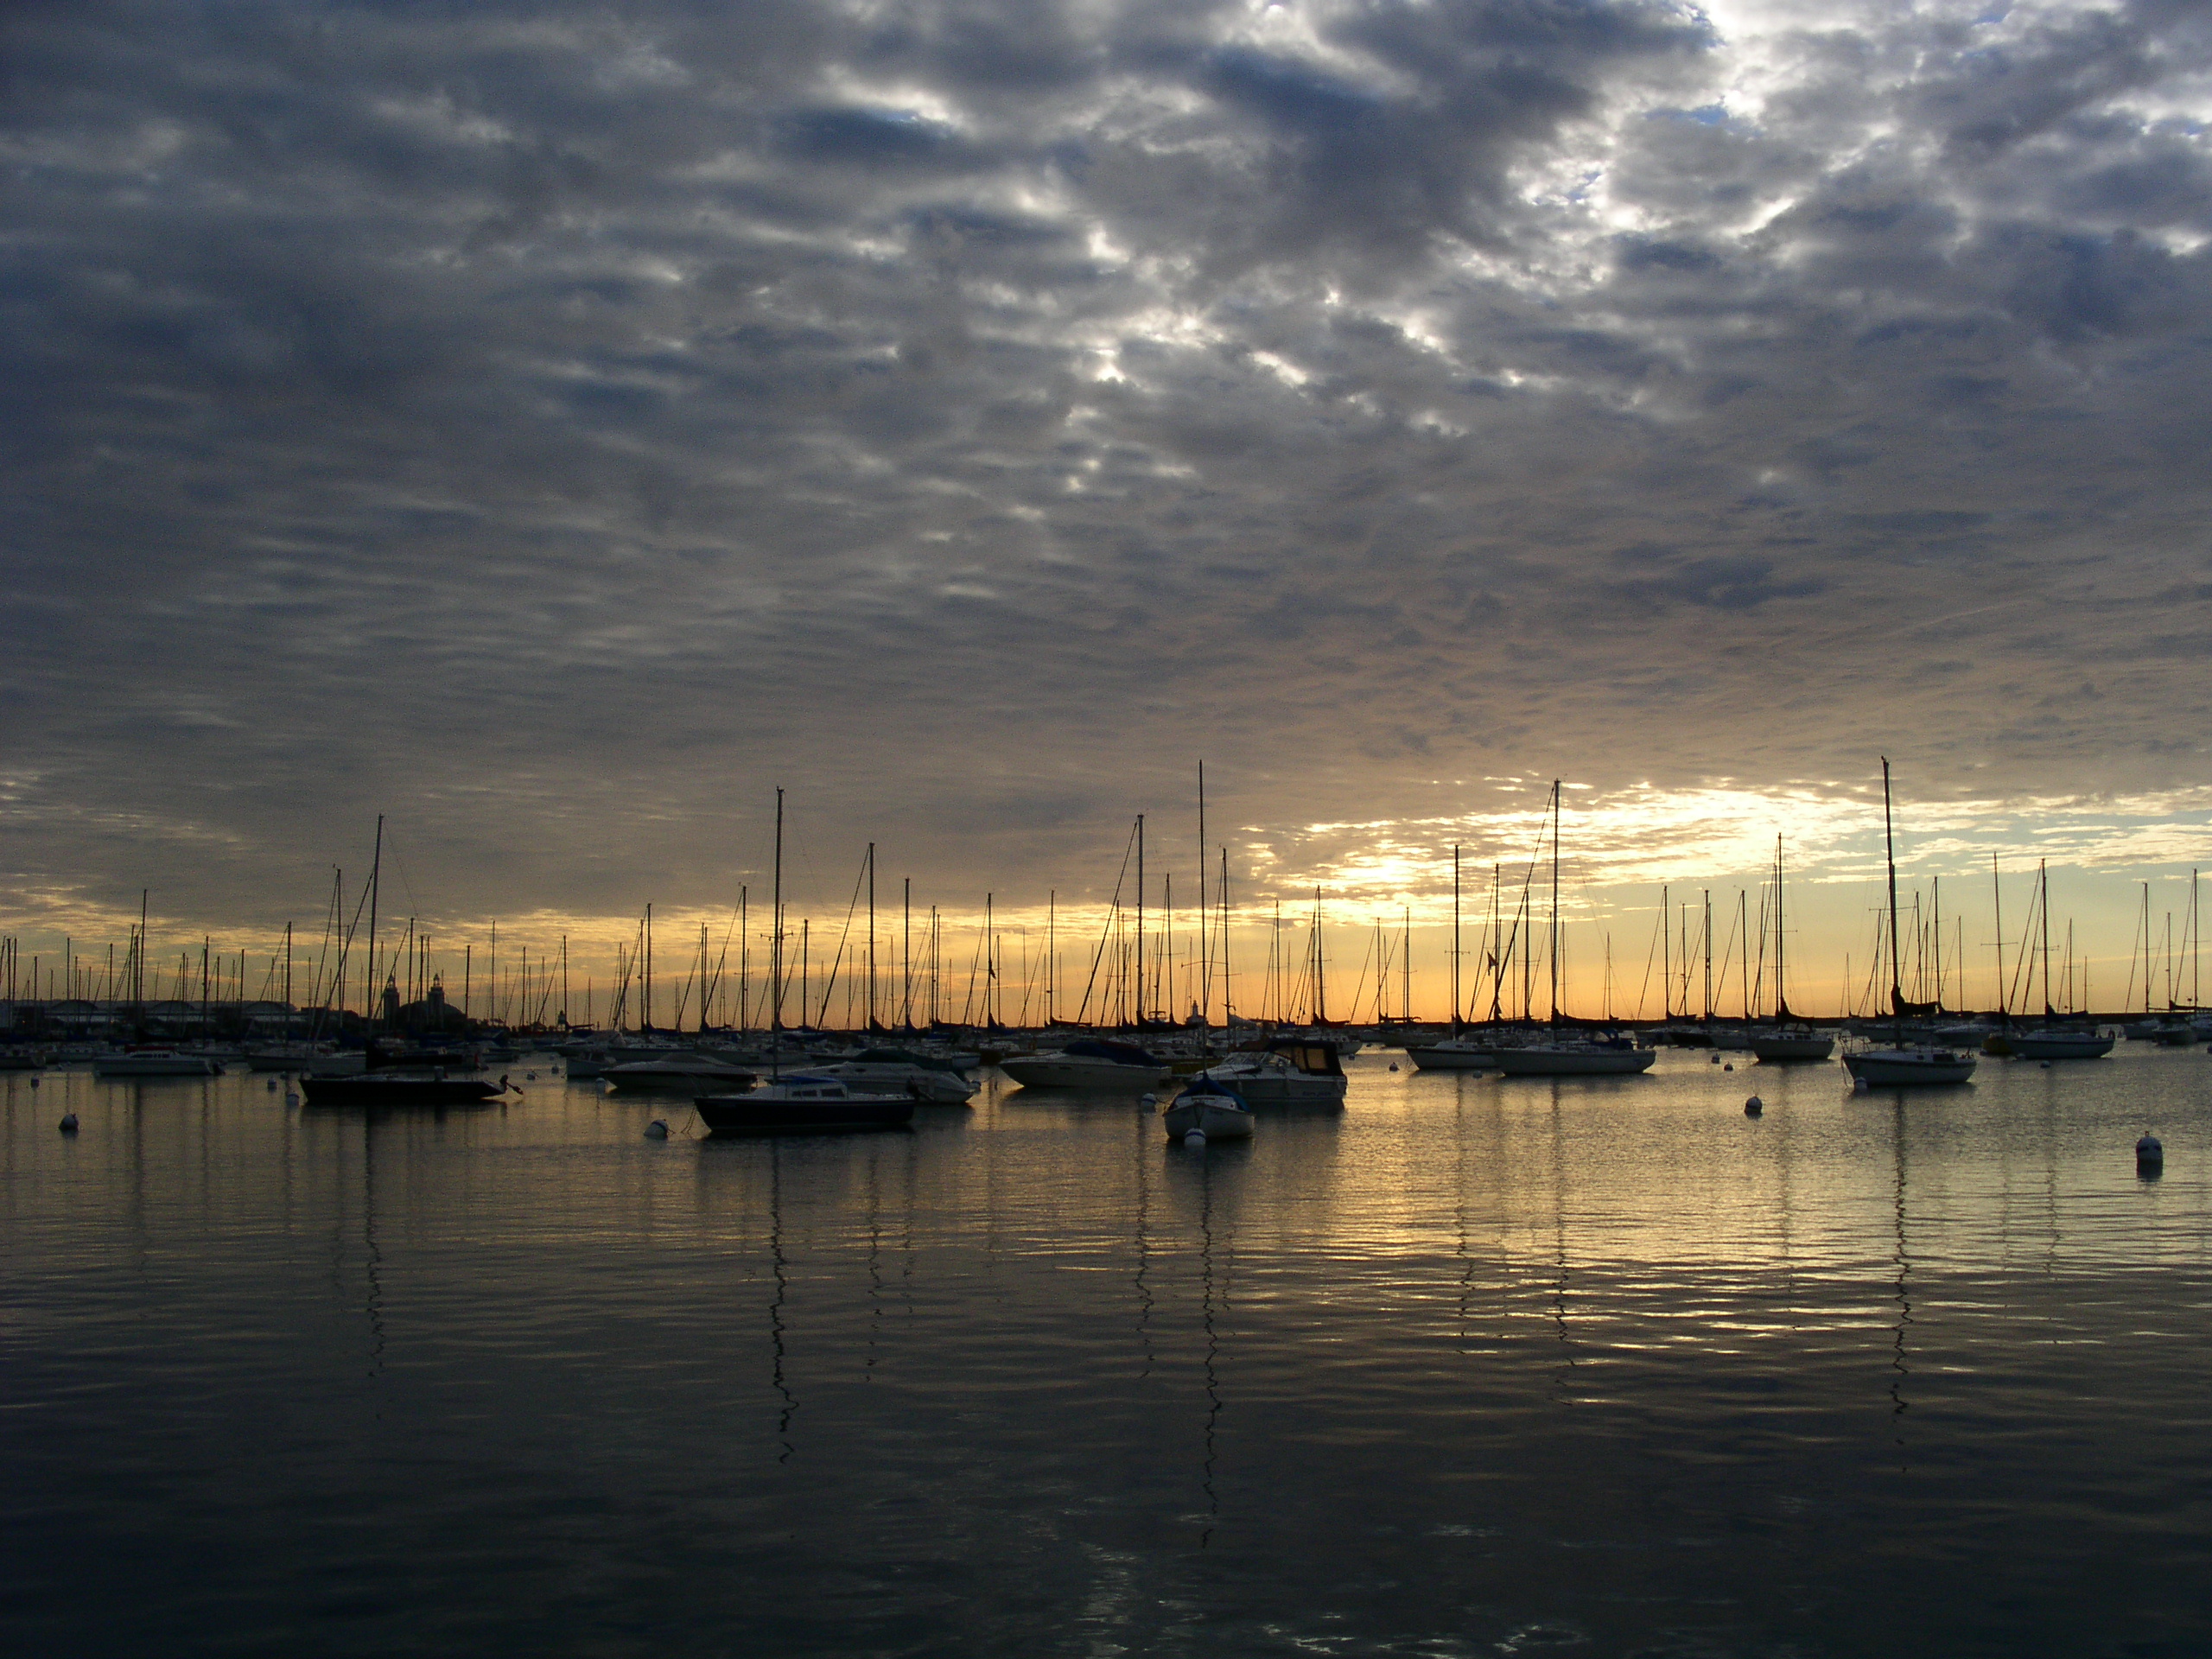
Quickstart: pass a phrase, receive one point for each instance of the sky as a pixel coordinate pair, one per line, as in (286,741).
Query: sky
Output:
(554,428)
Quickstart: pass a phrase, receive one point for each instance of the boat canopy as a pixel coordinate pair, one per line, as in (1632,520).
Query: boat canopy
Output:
(1097,1048)
(1315,1058)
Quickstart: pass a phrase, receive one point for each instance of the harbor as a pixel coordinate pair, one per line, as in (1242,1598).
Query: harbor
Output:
(1475,1363)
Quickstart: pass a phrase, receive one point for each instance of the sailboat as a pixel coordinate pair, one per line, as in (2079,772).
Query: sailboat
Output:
(801,1104)
(2052,1041)
(1789,1038)
(1900,1065)
(1570,1057)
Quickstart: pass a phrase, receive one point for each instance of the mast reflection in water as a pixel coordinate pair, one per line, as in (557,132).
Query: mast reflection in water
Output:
(1475,1364)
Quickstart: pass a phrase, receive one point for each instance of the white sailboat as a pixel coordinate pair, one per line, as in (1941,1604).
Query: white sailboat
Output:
(1789,1040)
(1564,1057)
(1902,1065)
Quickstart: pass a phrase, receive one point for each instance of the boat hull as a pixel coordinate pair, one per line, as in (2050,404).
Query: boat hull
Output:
(1906,1069)
(643,1077)
(1784,1051)
(374,1091)
(1445,1058)
(2054,1045)
(1052,1071)
(759,1115)
(1575,1063)
(1214,1117)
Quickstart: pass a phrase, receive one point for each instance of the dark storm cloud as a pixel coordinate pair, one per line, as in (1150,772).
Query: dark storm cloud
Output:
(556,424)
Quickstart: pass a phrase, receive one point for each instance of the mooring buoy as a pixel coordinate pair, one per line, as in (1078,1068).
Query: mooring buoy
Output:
(1754,1107)
(68,1122)
(656,1130)
(1195,1138)
(2149,1153)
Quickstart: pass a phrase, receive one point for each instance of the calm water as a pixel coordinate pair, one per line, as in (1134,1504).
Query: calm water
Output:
(1478,1367)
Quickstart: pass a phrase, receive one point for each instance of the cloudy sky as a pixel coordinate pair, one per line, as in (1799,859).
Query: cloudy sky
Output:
(557,426)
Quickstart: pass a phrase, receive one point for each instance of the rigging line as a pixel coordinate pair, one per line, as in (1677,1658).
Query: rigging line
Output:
(851,907)
(1113,910)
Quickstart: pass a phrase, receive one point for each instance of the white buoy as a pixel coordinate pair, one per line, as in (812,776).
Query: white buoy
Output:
(1754,1107)
(291,1098)
(68,1122)
(1860,1086)
(272,1085)
(656,1130)
(1148,1102)
(529,1076)
(1715,1059)
(1195,1138)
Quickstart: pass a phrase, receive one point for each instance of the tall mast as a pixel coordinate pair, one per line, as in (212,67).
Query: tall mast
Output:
(1320,986)
(871,936)
(376,868)
(1052,951)
(1997,900)
(1140,938)
(1555,940)
(1743,945)
(2042,887)
(1890,853)
(1455,936)
(776,943)
(906,950)
(1206,957)
(1666,955)
(1706,896)
(1224,940)
(1937,896)
(1781,989)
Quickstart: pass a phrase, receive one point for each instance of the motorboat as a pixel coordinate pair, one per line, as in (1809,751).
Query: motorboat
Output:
(678,1071)
(1290,1071)
(895,1071)
(807,1104)
(1209,1106)
(1088,1063)
(1455,1054)
(2056,1043)
(401,1087)
(1787,1045)
(284,1057)
(1905,1067)
(1577,1057)
(155,1062)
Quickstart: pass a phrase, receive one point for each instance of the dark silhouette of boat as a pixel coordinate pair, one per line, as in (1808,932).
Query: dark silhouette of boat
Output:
(803,1105)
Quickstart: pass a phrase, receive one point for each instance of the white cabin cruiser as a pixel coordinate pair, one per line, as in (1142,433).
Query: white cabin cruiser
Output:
(1089,1063)
(1290,1071)
(678,1071)
(898,1071)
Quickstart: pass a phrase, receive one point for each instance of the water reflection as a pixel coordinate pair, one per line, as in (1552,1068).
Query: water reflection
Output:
(1511,1363)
